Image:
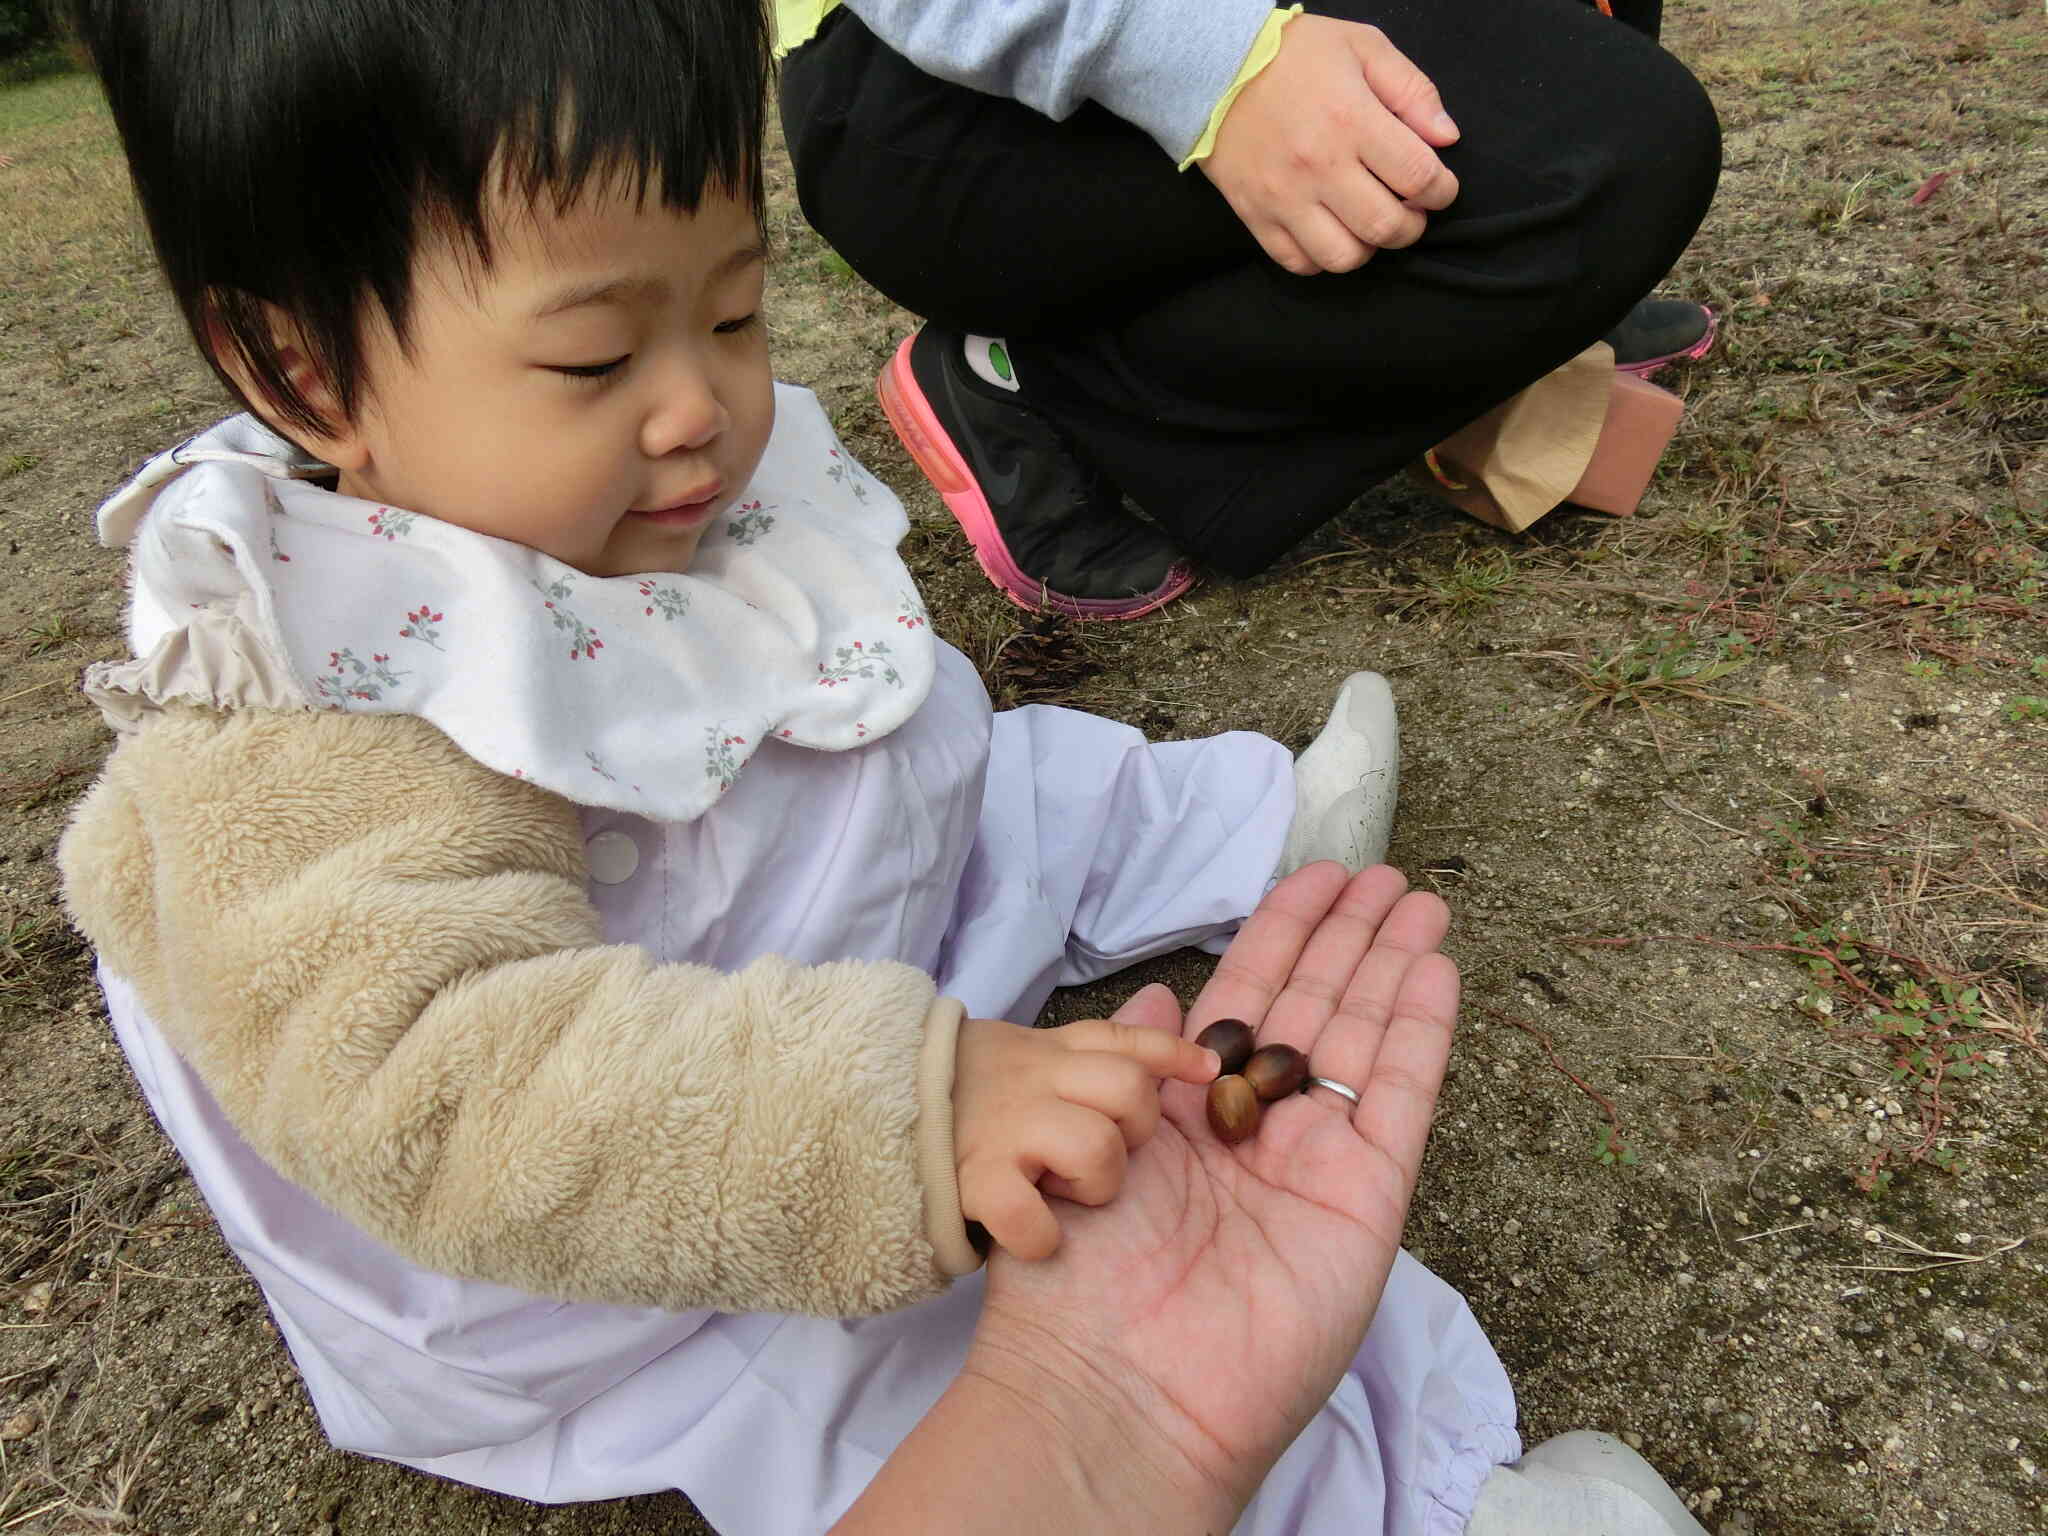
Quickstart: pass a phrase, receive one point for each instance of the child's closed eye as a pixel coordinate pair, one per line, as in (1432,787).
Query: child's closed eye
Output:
(590,370)
(734,327)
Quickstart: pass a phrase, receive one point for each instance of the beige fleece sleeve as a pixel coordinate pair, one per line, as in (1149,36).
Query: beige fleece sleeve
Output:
(380,958)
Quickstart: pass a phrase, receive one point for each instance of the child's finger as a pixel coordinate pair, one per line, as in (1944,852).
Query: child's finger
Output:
(1152,1006)
(1115,1087)
(1009,1205)
(1081,1150)
(1158,1051)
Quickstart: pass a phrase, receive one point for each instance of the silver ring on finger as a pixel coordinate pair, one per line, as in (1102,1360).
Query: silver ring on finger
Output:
(1340,1089)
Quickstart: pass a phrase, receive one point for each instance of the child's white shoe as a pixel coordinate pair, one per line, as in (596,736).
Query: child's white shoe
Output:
(1581,1484)
(1346,782)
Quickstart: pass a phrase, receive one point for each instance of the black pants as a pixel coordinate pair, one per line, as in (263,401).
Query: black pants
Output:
(1239,405)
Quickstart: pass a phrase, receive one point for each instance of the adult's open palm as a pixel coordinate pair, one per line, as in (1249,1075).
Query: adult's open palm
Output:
(1219,1298)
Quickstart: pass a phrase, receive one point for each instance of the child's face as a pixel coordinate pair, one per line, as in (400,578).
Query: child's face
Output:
(600,392)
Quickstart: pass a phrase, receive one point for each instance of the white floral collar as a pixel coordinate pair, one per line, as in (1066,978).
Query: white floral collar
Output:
(797,620)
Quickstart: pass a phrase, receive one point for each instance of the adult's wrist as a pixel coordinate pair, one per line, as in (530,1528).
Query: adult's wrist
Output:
(1007,1452)
(1097,1430)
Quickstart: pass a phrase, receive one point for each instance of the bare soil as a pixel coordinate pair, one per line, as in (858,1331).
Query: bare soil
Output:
(1742,806)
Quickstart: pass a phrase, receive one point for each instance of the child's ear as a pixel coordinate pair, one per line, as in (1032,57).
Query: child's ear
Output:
(338,443)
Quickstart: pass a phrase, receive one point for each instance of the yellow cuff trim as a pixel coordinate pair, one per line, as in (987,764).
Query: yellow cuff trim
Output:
(1265,48)
(797,22)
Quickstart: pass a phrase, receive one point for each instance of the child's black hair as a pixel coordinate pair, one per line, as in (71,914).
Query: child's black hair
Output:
(298,151)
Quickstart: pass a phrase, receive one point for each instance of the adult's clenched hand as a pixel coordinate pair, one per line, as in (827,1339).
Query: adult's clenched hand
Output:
(1330,152)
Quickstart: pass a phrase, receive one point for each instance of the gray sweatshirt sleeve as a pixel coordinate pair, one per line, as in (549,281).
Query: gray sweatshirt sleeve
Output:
(1161,65)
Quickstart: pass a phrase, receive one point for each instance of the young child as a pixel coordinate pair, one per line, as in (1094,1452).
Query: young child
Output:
(553,887)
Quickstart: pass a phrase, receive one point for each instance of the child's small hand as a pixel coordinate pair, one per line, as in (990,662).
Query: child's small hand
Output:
(1040,1112)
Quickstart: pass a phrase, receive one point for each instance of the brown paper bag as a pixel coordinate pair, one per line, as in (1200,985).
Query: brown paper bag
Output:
(1584,433)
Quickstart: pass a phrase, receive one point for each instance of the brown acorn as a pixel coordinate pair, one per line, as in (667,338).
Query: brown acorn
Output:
(1233,1108)
(1232,1040)
(1275,1071)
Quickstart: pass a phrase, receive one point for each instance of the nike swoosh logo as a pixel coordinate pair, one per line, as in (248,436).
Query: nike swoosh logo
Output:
(1001,487)
(998,482)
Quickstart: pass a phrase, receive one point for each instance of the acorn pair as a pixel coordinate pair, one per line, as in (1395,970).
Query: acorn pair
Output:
(1249,1078)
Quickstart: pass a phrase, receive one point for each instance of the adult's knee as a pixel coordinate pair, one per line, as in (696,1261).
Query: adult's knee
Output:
(1668,160)
(1638,186)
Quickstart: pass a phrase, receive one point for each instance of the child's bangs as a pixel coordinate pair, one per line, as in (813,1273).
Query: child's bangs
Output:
(291,155)
(639,104)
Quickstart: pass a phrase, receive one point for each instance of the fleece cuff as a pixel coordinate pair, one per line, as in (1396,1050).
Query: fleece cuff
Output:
(936,1161)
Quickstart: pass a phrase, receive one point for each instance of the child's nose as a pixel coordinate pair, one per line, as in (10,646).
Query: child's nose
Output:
(687,416)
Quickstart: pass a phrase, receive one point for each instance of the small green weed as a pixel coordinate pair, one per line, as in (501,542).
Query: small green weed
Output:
(1474,581)
(1875,1179)
(50,635)
(1610,1151)
(1935,1029)
(1664,664)
(2026,707)
(1838,210)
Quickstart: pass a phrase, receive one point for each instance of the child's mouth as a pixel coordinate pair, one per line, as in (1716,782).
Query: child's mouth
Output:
(693,508)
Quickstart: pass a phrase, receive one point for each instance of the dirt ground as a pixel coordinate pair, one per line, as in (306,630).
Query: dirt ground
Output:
(1742,807)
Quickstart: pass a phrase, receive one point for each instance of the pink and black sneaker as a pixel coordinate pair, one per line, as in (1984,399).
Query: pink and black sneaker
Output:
(1049,531)
(1658,332)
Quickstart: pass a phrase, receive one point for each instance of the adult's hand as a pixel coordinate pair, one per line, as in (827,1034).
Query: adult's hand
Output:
(1214,1305)
(1330,152)
(1182,1336)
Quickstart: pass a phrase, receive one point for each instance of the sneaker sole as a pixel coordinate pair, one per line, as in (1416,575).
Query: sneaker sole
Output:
(904,403)
(1650,365)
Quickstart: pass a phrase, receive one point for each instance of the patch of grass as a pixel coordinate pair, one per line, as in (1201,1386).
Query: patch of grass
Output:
(1950,576)
(1475,581)
(1918,947)
(1895,976)
(70,1202)
(1990,367)
(49,635)
(1934,1030)
(89,1485)
(72,244)
(1661,666)
(1840,207)
(37,947)
(70,1199)
(37,64)
(50,98)
(25,794)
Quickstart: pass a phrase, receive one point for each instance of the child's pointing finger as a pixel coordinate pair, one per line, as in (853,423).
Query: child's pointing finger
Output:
(1161,1052)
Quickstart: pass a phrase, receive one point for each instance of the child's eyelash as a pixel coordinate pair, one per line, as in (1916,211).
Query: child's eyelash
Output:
(589,370)
(606,369)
